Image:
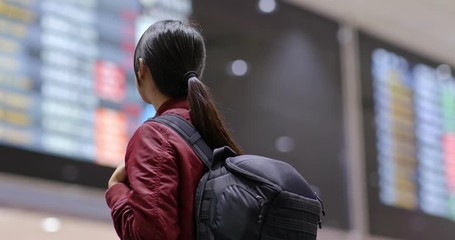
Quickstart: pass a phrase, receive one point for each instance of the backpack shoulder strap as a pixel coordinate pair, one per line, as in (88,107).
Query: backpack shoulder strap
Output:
(189,133)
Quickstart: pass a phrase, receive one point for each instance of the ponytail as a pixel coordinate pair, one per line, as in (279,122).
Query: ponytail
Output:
(206,118)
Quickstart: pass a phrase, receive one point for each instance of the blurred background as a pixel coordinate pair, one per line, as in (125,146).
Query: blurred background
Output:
(357,95)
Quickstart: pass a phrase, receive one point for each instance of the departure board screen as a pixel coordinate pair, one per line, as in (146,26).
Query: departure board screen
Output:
(409,105)
(68,100)
(65,82)
(67,85)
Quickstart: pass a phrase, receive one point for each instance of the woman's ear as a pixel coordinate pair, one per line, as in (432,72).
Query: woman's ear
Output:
(142,71)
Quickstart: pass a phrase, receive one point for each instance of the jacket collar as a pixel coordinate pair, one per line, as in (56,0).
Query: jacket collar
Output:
(173,103)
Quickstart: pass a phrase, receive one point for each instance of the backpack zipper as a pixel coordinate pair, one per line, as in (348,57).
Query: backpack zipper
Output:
(247,174)
(323,211)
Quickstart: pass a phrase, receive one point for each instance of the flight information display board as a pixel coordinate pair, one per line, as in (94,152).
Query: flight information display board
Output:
(65,85)
(68,100)
(66,79)
(409,106)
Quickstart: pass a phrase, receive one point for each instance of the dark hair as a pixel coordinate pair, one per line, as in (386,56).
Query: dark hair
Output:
(171,49)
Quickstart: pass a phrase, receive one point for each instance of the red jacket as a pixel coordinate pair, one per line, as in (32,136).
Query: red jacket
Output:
(163,173)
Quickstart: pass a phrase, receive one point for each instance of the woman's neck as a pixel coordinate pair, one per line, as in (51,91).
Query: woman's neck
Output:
(158,100)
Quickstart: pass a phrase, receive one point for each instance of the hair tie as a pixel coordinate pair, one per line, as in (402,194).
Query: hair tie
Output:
(189,75)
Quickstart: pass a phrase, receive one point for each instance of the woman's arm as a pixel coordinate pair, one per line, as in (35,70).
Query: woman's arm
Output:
(147,207)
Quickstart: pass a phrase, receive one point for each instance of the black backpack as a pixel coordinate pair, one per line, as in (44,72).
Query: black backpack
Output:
(246,196)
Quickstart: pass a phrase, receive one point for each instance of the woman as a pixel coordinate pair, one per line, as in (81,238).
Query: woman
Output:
(152,195)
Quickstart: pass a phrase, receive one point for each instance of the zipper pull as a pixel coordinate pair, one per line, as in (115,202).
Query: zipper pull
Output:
(322,204)
(261,205)
(323,211)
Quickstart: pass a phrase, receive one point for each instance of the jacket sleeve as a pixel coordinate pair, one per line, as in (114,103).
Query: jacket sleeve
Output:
(146,208)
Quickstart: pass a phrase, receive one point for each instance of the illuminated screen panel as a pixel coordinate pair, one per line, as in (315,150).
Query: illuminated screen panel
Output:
(409,112)
(68,101)
(66,84)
